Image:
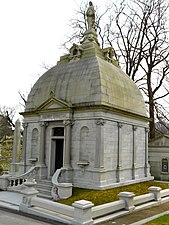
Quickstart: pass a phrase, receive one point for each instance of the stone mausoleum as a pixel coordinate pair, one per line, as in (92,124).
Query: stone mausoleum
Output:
(88,117)
(159,157)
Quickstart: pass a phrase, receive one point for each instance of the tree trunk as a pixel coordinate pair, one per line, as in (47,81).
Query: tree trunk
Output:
(152,122)
(151,108)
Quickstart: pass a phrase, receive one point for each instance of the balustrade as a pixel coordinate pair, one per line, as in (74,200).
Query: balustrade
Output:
(31,174)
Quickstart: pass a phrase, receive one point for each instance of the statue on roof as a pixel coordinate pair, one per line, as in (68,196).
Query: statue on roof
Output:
(91,16)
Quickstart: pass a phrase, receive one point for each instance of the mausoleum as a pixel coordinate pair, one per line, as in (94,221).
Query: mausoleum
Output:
(86,118)
(159,157)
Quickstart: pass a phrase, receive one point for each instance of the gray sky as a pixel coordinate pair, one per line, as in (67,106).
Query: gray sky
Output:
(31,33)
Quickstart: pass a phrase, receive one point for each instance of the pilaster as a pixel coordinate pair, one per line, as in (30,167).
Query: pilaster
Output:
(119,151)
(66,159)
(134,152)
(22,164)
(99,156)
(42,143)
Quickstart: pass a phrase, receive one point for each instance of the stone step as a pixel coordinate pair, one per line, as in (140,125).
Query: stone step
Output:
(44,187)
(45,196)
(43,191)
(47,182)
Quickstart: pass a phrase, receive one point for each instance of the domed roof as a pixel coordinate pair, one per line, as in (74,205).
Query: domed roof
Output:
(86,77)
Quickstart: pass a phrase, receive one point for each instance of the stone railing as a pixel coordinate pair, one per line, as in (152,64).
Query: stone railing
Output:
(16,181)
(84,212)
(9,182)
(60,190)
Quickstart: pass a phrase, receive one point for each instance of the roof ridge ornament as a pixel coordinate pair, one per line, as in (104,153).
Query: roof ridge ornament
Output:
(90,34)
(91,17)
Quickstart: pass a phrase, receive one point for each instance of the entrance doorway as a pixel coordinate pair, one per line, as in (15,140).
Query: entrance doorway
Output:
(58,153)
(57,149)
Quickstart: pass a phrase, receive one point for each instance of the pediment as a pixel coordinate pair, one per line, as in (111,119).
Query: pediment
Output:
(160,141)
(53,103)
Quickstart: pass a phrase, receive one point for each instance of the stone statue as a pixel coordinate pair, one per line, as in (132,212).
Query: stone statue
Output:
(91,16)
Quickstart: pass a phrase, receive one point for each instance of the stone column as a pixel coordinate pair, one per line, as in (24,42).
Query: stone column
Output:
(42,143)
(119,151)
(134,152)
(25,126)
(99,157)
(66,158)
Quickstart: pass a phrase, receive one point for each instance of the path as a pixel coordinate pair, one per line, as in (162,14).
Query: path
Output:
(9,213)
(136,218)
(8,218)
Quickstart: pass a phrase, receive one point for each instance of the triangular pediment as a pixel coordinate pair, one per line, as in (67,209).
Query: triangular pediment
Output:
(53,103)
(162,140)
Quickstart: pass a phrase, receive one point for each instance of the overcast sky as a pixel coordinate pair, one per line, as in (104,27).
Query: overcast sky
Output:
(31,33)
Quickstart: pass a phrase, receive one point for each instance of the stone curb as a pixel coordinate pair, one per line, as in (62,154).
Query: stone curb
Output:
(150,218)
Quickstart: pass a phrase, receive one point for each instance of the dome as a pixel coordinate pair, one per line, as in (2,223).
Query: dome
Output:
(88,78)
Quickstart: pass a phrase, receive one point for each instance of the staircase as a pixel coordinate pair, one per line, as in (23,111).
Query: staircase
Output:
(44,187)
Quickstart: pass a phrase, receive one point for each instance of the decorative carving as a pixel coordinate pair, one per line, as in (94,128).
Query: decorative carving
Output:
(134,128)
(100,122)
(146,130)
(33,174)
(110,56)
(55,192)
(44,124)
(24,200)
(25,125)
(119,125)
(91,17)
(68,122)
(75,52)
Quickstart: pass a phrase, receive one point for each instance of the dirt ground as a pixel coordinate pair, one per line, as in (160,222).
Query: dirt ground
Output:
(137,216)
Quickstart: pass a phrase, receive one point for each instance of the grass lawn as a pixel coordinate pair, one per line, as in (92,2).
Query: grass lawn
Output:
(110,195)
(163,220)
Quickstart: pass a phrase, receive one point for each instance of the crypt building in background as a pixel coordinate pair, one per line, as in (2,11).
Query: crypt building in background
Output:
(88,117)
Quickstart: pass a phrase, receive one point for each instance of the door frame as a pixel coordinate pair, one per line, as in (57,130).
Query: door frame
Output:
(52,152)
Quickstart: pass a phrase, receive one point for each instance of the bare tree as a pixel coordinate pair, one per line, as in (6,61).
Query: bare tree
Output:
(6,121)
(78,25)
(144,47)
(140,39)
(23,97)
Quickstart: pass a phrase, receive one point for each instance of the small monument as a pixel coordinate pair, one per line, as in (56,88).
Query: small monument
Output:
(86,118)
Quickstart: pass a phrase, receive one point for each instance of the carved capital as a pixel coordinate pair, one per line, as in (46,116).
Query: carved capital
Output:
(68,122)
(146,130)
(25,125)
(119,125)
(134,128)
(43,124)
(100,122)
